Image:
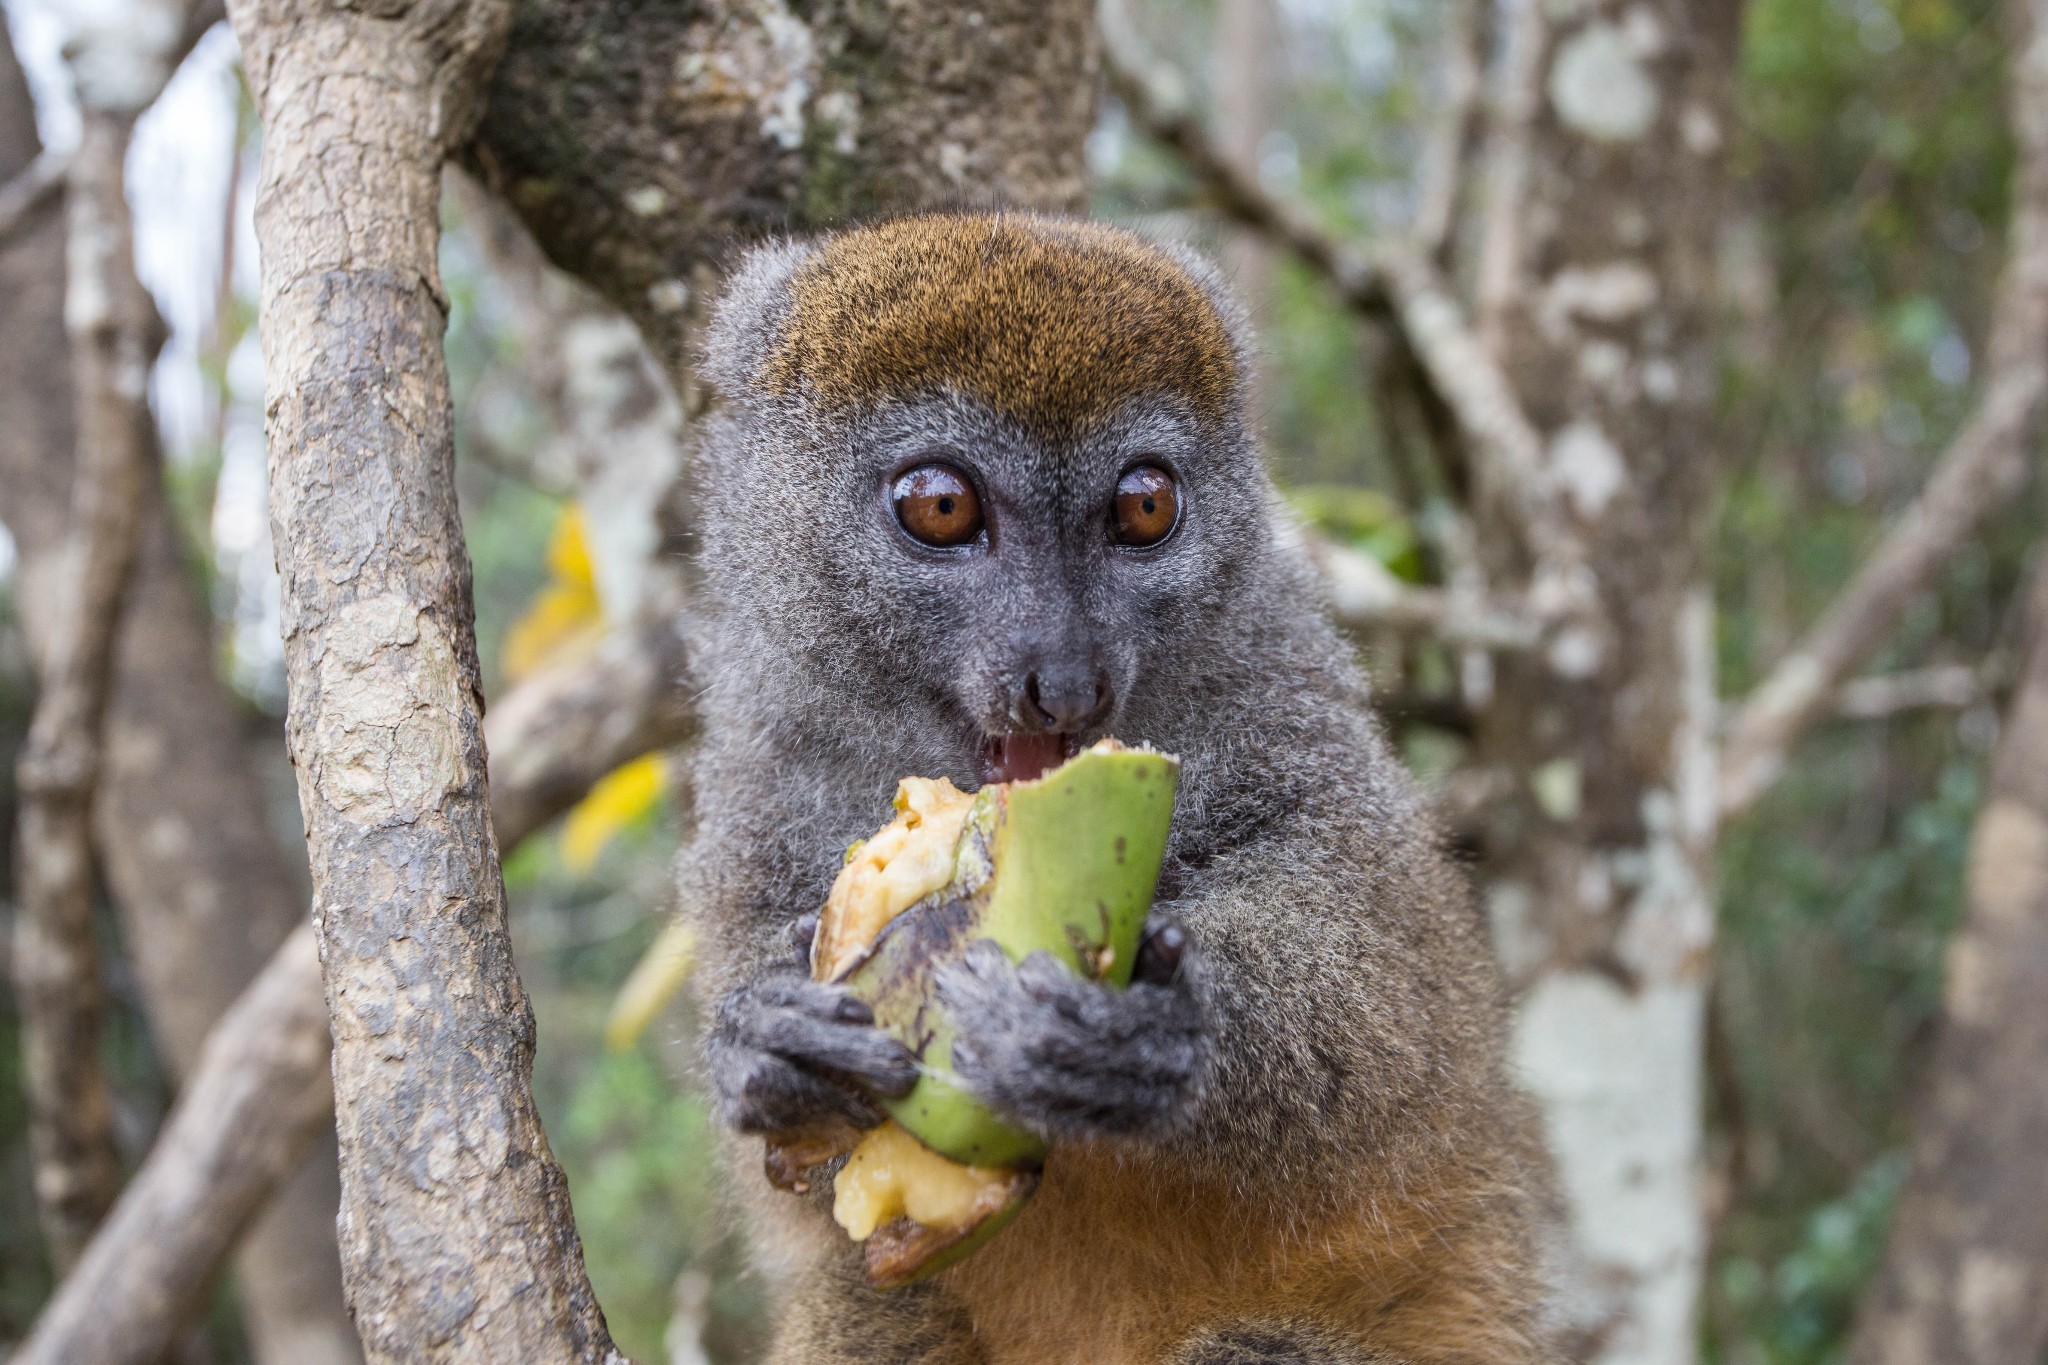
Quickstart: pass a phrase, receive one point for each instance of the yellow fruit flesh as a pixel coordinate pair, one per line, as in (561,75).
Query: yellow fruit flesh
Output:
(891,1175)
(911,857)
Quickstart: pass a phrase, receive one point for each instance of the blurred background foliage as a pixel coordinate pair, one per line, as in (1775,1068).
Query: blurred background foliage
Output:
(1857,255)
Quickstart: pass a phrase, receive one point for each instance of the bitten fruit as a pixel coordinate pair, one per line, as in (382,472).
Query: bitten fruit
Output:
(1065,864)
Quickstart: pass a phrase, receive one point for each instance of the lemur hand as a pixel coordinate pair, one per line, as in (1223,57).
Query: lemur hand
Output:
(1069,1058)
(786,1053)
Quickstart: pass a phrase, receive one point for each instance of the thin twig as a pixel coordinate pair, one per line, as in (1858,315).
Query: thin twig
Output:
(1943,687)
(34,186)
(1365,596)
(1977,474)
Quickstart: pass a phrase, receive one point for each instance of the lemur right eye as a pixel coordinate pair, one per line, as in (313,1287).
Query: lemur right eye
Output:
(936,505)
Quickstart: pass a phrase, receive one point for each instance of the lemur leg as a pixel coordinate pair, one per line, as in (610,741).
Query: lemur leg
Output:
(834,1319)
(1259,1343)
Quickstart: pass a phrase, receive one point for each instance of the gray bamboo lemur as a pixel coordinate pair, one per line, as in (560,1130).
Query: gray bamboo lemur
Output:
(981,489)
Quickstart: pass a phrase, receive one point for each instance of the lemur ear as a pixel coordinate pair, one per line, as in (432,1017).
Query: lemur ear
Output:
(750,314)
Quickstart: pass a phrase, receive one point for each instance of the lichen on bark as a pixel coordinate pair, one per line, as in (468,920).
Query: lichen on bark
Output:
(642,140)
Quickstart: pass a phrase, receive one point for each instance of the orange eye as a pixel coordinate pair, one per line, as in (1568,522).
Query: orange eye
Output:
(1147,506)
(936,504)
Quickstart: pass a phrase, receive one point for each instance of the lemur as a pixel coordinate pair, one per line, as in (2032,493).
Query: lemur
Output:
(980,488)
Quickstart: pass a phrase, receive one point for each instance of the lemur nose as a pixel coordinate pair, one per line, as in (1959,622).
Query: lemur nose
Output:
(1063,698)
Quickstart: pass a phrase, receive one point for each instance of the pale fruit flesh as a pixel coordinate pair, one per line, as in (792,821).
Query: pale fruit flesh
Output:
(892,1175)
(908,859)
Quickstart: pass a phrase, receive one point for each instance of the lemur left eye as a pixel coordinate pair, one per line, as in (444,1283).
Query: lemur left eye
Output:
(1147,506)
(936,504)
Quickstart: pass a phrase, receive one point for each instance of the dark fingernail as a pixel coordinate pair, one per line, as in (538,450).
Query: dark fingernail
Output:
(801,935)
(852,1011)
(1159,955)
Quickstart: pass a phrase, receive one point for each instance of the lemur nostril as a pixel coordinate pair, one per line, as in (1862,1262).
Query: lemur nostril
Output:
(1033,711)
(1065,699)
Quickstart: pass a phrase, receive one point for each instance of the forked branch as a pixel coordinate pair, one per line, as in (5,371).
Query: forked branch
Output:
(1977,474)
(1388,283)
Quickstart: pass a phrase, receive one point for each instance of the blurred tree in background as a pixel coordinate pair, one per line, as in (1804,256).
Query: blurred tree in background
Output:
(1856,263)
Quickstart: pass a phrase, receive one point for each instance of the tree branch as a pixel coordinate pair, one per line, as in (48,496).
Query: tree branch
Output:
(1516,102)
(640,141)
(30,189)
(1977,474)
(457,1239)
(1965,1269)
(1441,177)
(1390,283)
(114,334)
(257,1097)
(261,1087)
(1364,596)
(1944,687)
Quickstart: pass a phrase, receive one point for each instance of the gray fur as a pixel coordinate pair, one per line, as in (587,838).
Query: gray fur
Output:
(1336,1012)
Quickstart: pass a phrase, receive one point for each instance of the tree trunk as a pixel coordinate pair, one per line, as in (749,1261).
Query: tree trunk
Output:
(201,887)
(110,325)
(639,141)
(1596,291)
(457,1240)
(1965,1275)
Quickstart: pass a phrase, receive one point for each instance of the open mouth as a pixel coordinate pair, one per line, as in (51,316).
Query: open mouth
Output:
(1023,758)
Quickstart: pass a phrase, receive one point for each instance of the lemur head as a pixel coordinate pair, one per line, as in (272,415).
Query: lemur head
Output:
(980,486)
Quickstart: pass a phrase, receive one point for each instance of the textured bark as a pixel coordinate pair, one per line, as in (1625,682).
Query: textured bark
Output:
(640,140)
(1965,1275)
(112,329)
(1596,300)
(202,891)
(456,1234)
(249,1102)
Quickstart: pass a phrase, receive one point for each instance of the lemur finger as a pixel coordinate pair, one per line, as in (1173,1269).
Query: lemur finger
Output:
(801,935)
(759,1092)
(848,1047)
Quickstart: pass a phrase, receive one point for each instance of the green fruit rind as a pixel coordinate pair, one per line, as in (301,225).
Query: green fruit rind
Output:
(1066,865)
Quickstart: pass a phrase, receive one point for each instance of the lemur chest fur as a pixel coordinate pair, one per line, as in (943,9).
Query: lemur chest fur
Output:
(1115,1260)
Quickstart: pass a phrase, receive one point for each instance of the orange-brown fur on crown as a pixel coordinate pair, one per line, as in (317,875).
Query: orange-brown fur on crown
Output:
(1048,321)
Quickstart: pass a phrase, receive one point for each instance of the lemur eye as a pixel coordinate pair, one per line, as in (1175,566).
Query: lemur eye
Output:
(936,504)
(1147,506)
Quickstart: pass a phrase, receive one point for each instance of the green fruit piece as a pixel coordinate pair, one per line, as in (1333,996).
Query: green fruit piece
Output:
(1066,864)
